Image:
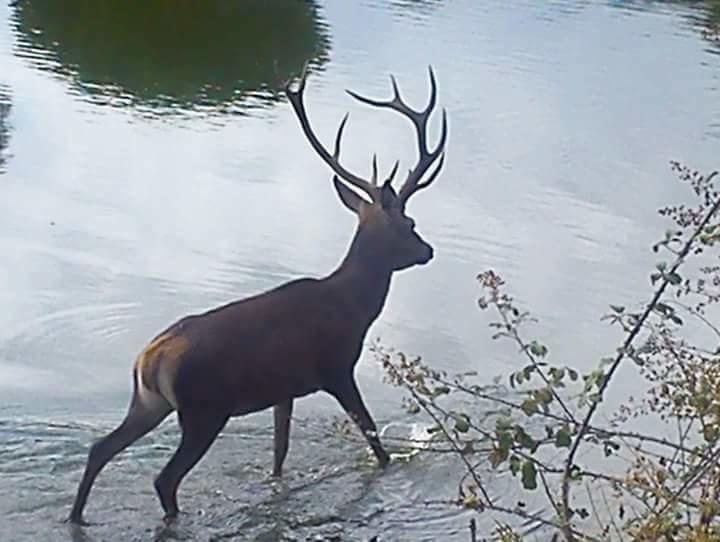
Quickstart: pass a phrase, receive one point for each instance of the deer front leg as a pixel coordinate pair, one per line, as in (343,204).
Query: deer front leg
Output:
(348,395)
(282,413)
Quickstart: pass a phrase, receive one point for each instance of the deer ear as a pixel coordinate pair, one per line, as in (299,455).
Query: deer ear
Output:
(349,198)
(388,196)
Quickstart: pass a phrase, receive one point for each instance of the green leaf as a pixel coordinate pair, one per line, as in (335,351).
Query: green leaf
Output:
(573,374)
(617,308)
(441,390)
(515,464)
(676,319)
(505,442)
(562,438)
(503,423)
(462,423)
(529,475)
(610,447)
(674,279)
(537,349)
(529,407)
(710,433)
(523,439)
(544,396)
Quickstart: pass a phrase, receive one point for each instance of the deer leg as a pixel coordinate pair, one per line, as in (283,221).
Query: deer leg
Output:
(144,414)
(281,413)
(199,431)
(348,395)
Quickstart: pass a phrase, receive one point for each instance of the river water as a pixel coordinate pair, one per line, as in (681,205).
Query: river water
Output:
(148,170)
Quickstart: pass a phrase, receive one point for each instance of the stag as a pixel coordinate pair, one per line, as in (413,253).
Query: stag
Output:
(301,337)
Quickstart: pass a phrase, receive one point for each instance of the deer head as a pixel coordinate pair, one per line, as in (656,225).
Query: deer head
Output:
(386,235)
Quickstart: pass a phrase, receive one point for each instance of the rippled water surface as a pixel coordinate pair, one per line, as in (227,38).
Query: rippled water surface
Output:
(148,169)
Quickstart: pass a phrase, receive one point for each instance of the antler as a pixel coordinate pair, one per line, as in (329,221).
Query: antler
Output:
(296,99)
(419,119)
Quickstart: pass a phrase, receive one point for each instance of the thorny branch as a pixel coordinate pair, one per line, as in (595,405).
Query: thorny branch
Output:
(584,428)
(665,474)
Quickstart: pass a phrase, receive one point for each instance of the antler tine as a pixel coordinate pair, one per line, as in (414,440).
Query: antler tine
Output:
(427,182)
(393,172)
(338,137)
(374,170)
(395,103)
(420,120)
(296,100)
(433,92)
(426,159)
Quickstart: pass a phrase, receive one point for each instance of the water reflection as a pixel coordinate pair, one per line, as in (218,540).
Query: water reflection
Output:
(165,57)
(420,7)
(4,125)
(709,24)
(703,16)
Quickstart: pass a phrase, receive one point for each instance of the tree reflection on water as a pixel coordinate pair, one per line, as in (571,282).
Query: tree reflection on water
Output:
(5,105)
(172,56)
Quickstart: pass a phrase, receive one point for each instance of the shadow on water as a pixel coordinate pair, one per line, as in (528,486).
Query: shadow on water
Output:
(172,57)
(5,106)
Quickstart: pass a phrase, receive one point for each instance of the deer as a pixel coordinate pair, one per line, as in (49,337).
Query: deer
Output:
(296,339)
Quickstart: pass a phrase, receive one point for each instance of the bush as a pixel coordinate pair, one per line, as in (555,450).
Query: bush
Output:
(637,484)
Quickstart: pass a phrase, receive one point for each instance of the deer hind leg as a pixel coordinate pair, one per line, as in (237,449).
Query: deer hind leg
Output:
(199,431)
(145,412)
(346,392)
(282,413)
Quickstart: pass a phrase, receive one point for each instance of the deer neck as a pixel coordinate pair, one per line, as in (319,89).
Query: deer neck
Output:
(364,278)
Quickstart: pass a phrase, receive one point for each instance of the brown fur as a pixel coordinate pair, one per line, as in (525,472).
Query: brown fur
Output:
(166,350)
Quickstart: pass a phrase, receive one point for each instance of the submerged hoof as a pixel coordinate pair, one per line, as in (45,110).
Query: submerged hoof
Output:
(384,461)
(77,522)
(170,518)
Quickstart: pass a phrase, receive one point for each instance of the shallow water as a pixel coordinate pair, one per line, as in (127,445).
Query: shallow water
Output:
(149,170)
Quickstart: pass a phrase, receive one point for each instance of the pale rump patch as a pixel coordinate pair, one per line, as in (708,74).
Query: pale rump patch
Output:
(156,365)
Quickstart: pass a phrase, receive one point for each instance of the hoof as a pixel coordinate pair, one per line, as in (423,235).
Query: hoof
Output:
(77,521)
(170,518)
(384,460)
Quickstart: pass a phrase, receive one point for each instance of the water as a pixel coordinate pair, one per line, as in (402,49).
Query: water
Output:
(148,170)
